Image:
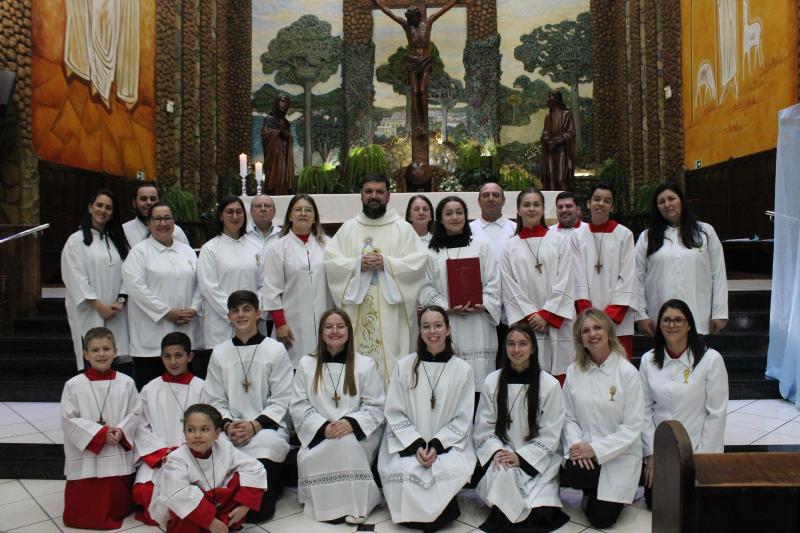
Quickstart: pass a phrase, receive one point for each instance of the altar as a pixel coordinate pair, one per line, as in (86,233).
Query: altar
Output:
(336,208)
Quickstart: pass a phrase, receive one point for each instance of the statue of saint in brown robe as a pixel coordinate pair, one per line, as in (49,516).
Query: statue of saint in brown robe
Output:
(276,139)
(558,146)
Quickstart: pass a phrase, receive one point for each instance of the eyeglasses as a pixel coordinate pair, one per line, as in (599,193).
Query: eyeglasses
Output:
(673,322)
(299,210)
(233,212)
(159,220)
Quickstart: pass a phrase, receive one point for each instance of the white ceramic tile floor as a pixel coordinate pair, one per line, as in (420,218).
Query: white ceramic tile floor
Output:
(35,506)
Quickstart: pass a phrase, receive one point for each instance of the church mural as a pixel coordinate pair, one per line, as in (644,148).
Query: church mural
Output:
(739,70)
(544,45)
(93,91)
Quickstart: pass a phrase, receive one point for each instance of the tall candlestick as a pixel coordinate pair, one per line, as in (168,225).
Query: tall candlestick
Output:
(259,173)
(242,165)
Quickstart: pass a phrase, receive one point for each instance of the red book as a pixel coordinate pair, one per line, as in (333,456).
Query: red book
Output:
(464,281)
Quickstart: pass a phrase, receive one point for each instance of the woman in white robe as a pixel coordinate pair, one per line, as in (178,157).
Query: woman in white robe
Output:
(517,438)
(91,267)
(680,257)
(426,455)
(604,419)
(295,288)
(206,482)
(537,282)
(419,213)
(159,276)
(337,408)
(473,325)
(682,380)
(229,262)
(605,273)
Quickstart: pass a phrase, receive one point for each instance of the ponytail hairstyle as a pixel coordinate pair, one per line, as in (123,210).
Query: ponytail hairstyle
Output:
(112,231)
(421,348)
(522,193)
(532,396)
(321,352)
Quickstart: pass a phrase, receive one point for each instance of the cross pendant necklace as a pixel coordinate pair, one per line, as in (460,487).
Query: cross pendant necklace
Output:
(335,396)
(246,383)
(432,385)
(538,264)
(599,249)
(510,420)
(100,420)
(213,484)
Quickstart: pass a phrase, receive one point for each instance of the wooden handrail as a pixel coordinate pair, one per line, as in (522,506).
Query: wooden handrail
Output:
(30,231)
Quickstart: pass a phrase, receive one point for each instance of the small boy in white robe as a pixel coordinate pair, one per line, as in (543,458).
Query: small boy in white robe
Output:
(249,381)
(337,409)
(517,438)
(160,430)
(98,416)
(206,484)
(426,456)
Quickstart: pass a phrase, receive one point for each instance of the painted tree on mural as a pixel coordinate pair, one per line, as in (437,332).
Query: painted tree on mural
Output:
(305,54)
(446,92)
(395,73)
(327,128)
(562,52)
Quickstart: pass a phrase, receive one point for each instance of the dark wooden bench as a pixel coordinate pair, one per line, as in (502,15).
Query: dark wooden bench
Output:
(749,492)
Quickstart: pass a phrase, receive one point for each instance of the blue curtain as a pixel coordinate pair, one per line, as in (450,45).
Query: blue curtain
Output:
(784,326)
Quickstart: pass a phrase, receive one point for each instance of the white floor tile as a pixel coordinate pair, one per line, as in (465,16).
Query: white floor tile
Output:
(299,522)
(56,436)
(571,500)
(41,487)
(390,527)
(143,529)
(32,411)
(287,505)
(53,504)
(473,511)
(31,438)
(47,526)
(773,409)
(777,438)
(18,428)
(128,524)
(735,405)
(790,428)
(632,520)
(741,436)
(8,416)
(13,492)
(47,424)
(749,421)
(22,513)
(571,527)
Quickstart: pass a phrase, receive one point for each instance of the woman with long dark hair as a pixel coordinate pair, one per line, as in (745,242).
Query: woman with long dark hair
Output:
(603,424)
(537,282)
(473,324)
(426,455)
(680,257)
(517,435)
(683,380)
(91,267)
(229,262)
(295,288)
(337,408)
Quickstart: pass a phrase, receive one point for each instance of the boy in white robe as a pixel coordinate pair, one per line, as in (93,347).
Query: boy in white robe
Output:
(206,484)
(98,416)
(517,438)
(337,408)
(605,268)
(426,456)
(160,430)
(249,381)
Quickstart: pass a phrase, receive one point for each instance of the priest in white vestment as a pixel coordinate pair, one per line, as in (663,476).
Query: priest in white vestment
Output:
(136,229)
(376,266)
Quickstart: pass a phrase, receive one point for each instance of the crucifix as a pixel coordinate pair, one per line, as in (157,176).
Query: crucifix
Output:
(417,26)
(336,398)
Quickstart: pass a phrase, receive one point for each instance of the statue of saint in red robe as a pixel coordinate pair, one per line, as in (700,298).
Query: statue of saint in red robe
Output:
(276,139)
(558,146)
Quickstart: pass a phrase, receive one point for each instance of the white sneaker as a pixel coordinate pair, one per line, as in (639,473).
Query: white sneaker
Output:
(354,520)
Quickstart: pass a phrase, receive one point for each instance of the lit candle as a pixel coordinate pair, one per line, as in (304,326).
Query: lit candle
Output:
(259,174)
(242,165)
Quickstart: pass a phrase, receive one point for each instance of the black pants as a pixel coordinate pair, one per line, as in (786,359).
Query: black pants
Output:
(540,520)
(450,513)
(601,514)
(274,490)
(146,369)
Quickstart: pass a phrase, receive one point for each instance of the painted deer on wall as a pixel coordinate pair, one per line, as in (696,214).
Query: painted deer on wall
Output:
(706,85)
(751,39)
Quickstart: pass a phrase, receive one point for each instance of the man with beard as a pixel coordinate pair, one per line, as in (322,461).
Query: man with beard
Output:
(568,213)
(376,266)
(136,230)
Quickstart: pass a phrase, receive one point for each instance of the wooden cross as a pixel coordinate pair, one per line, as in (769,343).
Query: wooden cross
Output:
(246,384)
(336,398)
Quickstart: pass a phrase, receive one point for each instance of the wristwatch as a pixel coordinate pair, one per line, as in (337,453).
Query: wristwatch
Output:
(122,299)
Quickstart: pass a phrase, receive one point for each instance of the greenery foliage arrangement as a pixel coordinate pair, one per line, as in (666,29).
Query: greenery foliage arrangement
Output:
(182,203)
(450,184)
(318,179)
(362,161)
(516,178)
(477,164)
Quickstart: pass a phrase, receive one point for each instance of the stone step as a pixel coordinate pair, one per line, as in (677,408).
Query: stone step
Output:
(52,306)
(52,324)
(749,300)
(753,342)
(32,385)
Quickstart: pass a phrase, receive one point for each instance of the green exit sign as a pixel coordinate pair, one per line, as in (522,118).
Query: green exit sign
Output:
(698,163)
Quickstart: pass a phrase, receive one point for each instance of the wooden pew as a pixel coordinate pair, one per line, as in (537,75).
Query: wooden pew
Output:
(749,492)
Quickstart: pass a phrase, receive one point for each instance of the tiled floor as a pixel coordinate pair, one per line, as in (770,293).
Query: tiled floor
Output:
(35,506)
